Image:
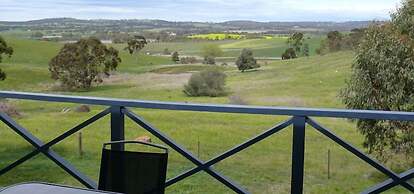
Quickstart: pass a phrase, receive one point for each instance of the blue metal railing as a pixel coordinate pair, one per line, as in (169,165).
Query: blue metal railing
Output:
(300,117)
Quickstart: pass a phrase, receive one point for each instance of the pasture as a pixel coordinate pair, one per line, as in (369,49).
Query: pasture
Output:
(273,47)
(264,168)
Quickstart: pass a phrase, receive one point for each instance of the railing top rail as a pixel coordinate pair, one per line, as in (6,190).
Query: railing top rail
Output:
(263,110)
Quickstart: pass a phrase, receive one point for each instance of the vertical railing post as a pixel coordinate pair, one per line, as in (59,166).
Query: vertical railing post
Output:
(117,126)
(298,154)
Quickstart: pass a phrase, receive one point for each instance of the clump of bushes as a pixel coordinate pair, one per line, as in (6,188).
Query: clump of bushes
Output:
(175,57)
(210,82)
(289,53)
(246,61)
(209,60)
(336,41)
(188,60)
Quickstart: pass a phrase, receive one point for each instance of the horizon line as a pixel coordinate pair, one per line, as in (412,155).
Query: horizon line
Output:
(216,22)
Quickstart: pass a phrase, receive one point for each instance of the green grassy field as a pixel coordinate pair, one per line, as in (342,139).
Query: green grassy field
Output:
(263,168)
(273,47)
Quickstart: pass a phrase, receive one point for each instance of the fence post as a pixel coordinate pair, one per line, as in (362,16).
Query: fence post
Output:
(117,127)
(298,154)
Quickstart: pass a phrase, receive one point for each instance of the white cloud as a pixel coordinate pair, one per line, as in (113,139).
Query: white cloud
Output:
(105,9)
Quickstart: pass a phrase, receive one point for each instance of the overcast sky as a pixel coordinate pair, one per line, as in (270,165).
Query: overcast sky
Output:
(199,10)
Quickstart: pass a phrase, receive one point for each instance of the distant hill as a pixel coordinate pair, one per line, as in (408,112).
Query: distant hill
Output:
(133,25)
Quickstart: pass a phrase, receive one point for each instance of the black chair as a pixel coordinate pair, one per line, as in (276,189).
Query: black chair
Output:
(133,172)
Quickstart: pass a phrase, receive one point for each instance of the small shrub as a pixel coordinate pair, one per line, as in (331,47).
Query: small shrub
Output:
(209,60)
(246,61)
(175,57)
(289,53)
(188,60)
(224,64)
(209,82)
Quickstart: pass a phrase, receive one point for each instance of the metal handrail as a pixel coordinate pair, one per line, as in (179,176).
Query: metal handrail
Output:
(118,109)
(219,108)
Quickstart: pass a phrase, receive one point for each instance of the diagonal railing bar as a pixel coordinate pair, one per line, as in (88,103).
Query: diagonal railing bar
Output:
(359,154)
(41,147)
(34,141)
(390,183)
(231,152)
(75,173)
(78,128)
(49,153)
(184,152)
(19,161)
(54,141)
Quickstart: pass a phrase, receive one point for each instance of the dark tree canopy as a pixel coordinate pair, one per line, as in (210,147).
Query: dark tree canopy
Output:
(306,49)
(136,44)
(4,50)
(289,53)
(78,65)
(296,40)
(334,41)
(382,79)
(175,57)
(354,38)
(246,61)
(210,60)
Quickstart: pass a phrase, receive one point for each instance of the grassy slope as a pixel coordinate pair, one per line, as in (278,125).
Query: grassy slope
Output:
(38,53)
(264,168)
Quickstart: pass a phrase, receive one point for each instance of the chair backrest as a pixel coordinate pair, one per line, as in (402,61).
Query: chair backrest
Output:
(133,172)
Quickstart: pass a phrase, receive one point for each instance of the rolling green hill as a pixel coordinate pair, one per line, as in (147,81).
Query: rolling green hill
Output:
(34,56)
(264,168)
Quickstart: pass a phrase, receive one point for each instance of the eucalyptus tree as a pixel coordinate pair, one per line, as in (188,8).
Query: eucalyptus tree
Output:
(78,65)
(136,44)
(382,79)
